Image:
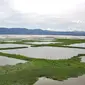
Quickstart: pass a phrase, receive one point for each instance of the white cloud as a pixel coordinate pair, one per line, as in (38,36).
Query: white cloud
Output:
(44,14)
(45,6)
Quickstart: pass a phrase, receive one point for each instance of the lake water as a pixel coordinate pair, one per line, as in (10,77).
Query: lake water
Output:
(78,45)
(83,59)
(9,61)
(40,36)
(47,52)
(71,81)
(42,42)
(11,45)
(9,41)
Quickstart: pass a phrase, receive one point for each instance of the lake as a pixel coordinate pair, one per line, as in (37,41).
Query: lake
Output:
(83,59)
(47,52)
(41,36)
(11,45)
(9,61)
(71,81)
(42,42)
(78,45)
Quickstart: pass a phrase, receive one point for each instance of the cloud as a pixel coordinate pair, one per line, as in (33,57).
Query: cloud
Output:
(74,20)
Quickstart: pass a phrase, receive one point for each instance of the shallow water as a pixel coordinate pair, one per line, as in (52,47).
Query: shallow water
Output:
(47,52)
(9,61)
(71,81)
(78,45)
(9,41)
(83,59)
(41,36)
(42,42)
(11,45)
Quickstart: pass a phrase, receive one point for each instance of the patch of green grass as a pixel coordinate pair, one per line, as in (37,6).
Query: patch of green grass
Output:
(69,41)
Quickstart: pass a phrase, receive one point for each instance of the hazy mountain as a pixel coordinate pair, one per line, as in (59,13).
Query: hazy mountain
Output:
(38,32)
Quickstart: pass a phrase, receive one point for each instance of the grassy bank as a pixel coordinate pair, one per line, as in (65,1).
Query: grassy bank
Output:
(15,56)
(28,73)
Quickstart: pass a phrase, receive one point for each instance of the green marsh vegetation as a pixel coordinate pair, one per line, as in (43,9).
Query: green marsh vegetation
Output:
(29,72)
(15,56)
(63,43)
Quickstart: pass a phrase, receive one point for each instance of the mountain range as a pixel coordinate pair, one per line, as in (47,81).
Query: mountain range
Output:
(25,31)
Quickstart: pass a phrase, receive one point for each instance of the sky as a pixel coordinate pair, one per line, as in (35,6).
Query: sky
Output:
(55,15)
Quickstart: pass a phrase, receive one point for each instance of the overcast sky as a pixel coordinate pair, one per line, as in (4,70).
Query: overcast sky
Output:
(58,15)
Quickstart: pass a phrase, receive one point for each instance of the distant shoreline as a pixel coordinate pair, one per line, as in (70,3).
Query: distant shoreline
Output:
(40,36)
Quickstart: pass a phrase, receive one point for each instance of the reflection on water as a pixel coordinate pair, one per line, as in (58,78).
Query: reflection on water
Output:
(78,45)
(9,61)
(71,81)
(47,52)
